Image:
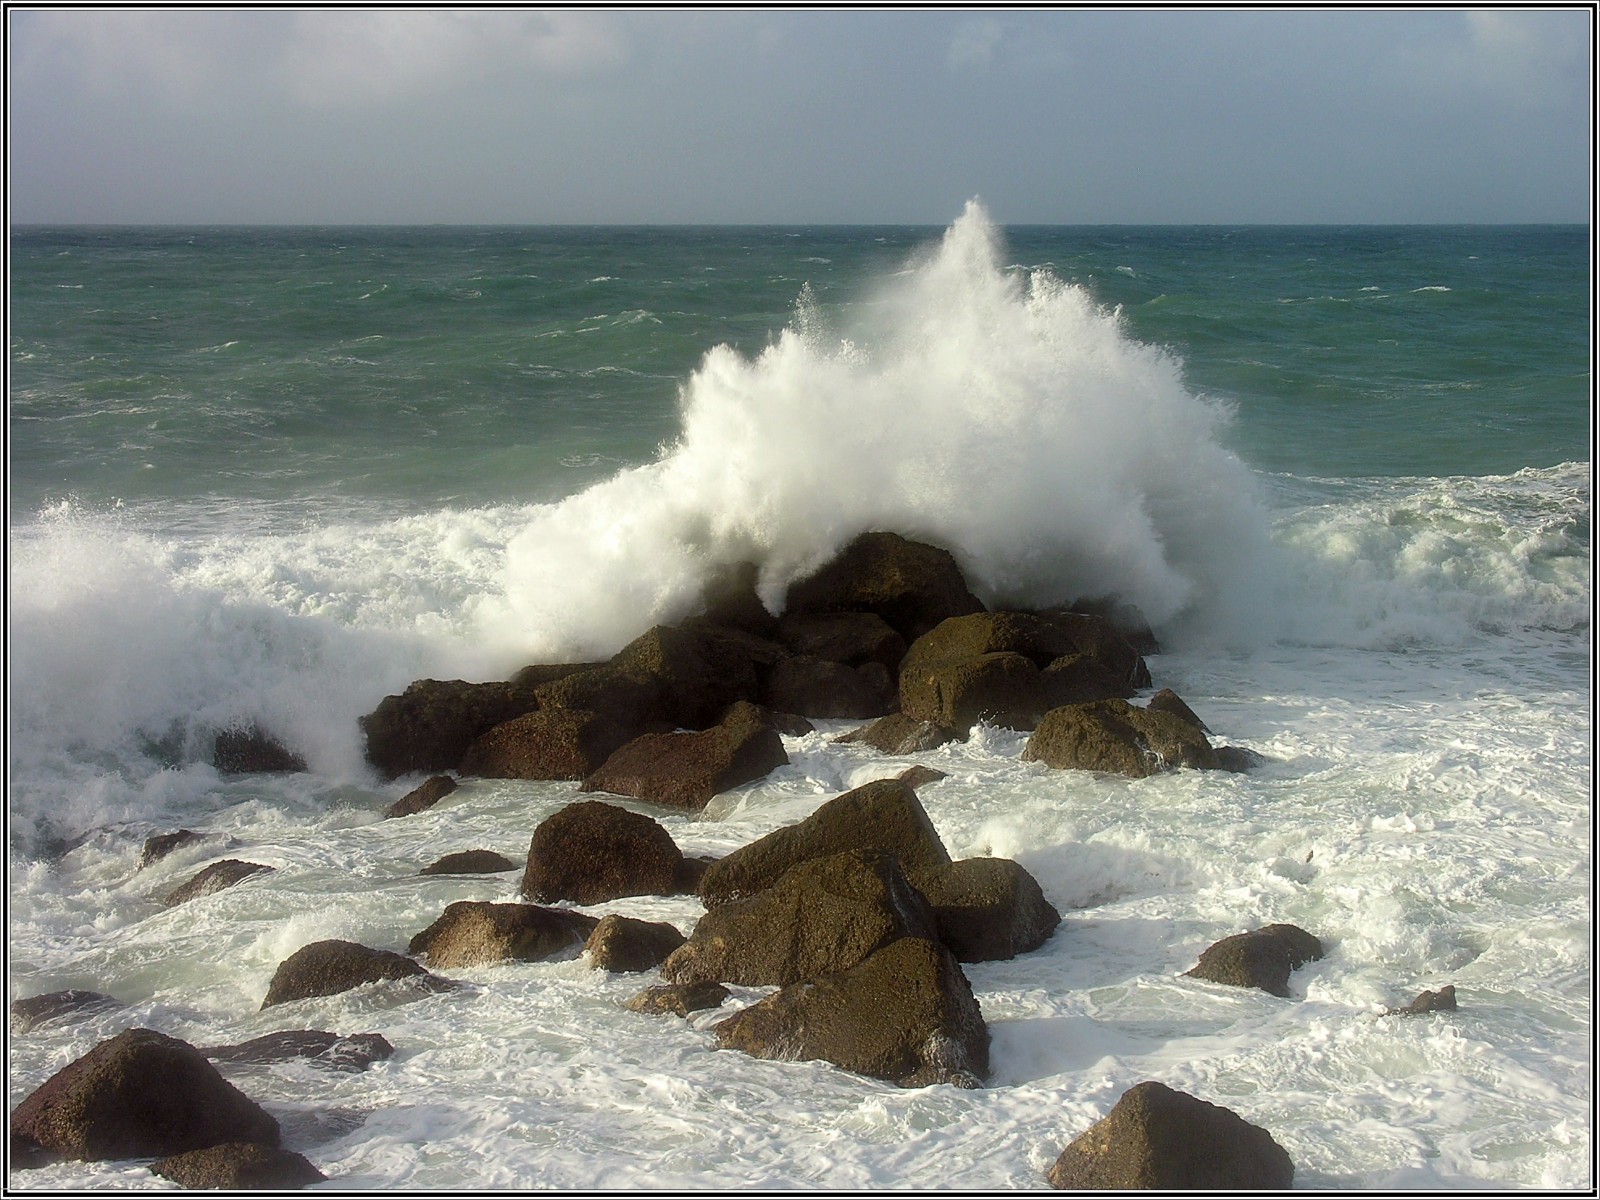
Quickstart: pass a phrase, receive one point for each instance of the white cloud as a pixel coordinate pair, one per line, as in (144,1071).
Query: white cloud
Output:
(1525,59)
(974,44)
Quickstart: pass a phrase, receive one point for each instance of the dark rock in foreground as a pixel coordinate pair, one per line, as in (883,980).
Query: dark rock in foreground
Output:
(591,852)
(1119,738)
(247,751)
(906,1014)
(429,726)
(470,932)
(1158,1138)
(469,862)
(883,815)
(911,585)
(1444,1000)
(329,967)
(422,797)
(215,878)
(1262,958)
(988,908)
(239,1166)
(139,1095)
(823,916)
(31,1012)
(678,998)
(162,844)
(685,770)
(623,944)
(355,1052)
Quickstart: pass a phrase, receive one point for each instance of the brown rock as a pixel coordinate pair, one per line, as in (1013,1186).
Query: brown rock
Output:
(918,775)
(1003,688)
(538,674)
(1117,737)
(1158,1138)
(899,734)
(906,1014)
(987,908)
(356,1052)
(591,852)
(249,750)
(911,585)
(1168,701)
(553,743)
(1261,958)
(1444,1000)
(622,944)
(239,1166)
(162,844)
(139,1095)
(215,878)
(329,967)
(430,725)
(852,638)
(1079,679)
(678,998)
(684,770)
(421,798)
(470,862)
(31,1012)
(470,932)
(815,687)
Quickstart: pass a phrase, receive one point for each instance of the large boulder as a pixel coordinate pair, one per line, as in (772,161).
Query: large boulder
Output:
(141,1094)
(215,878)
(329,967)
(906,1014)
(31,1012)
(469,862)
(591,852)
(684,770)
(1158,1138)
(987,908)
(1098,637)
(822,917)
(818,687)
(552,743)
(625,944)
(1168,701)
(852,638)
(355,1052)
(898,734)
(1079,679)
(429,726)
(1119,738)
(911,585)
(1262,958)
(683,677)
(422,797)
(247,750)
(1003,688)
(729,600)
(882,815)
(679,999)
(470,932)
(239,1166)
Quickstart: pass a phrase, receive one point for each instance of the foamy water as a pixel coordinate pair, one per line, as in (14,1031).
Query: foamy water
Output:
(1411,655)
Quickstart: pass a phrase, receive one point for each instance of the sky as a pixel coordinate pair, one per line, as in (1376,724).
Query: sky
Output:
(784,116)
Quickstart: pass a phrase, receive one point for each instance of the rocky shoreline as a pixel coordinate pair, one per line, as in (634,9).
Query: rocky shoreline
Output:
(857,916)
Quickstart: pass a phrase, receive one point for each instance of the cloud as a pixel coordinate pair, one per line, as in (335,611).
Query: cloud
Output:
(1525,60)
(974,44)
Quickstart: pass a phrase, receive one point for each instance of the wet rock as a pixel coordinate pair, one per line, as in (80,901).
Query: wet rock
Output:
(882,815)
(911,585)
(329,967)
(1158,1138)
(1444,1000)
(251,750)
(823,916)
(355,1052)
(899,734)
(852,638)
(1119,738)
(987,908)
(470,862)
(690,872)
(906,1014)
(1262,958)
(537,675)
(1079,679)
(215,878)
(680,999)
(422,797)
(1168,701)
(429,726)
(1004,689)
(1100,639)
(729,600)
(1237,759)
(916,776)
(591,852)
(685,770)
(470,932)
(239,1166)
(622,944)
(31,1012)
(162,844)
(816,687)
(140,1094)
(553,743)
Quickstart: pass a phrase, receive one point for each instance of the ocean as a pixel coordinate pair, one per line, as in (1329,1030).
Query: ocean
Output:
(269,475)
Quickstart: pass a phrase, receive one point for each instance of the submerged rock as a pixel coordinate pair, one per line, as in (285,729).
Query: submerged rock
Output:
(215,878)
(239,1166)
(469,862)
(1119,738)
(898,734)
(1444,1000)
(429,726)
(623,944)
(162,844)
(1159,1138)
(422,797)
(329,967)
(591,852)
(470,932)
(31,1012)
(1262,958)
(354,1052)
(680,999)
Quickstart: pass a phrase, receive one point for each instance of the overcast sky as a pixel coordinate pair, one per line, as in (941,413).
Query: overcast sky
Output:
(784,116)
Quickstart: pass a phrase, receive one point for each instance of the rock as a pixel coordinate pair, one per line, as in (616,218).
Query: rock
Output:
(695,673)
(1261,958)
(1123,617)
(215,878)
(423,797)
(139,1095)
(882,815)
(899,734)
(1099,638)
(470,932)
(823,916)
(1003,689)
(987,908)
(246,751)
(1158,1138)
(1079,679)
(918,775)
(786,723)
(690,872)
(621,944)
(729,600)
(684,770)
(815,687)
(852,638)
(911,585)
(239,1166)
(1117,737)
(679,998)
(429,726)
(470,862)
(329,967)
(1040,639)
(1168,701)
(356,1052)
(906,1014)
(1237,759)
(537,675)
(591,852)
(1444,1000)
(162,844)
(553,743)
(31,1012)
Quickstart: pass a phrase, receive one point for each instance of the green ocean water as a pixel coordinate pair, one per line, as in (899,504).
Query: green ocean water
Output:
(391,370)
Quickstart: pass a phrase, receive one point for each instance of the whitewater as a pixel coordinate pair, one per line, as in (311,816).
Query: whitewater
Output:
(1410,653)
